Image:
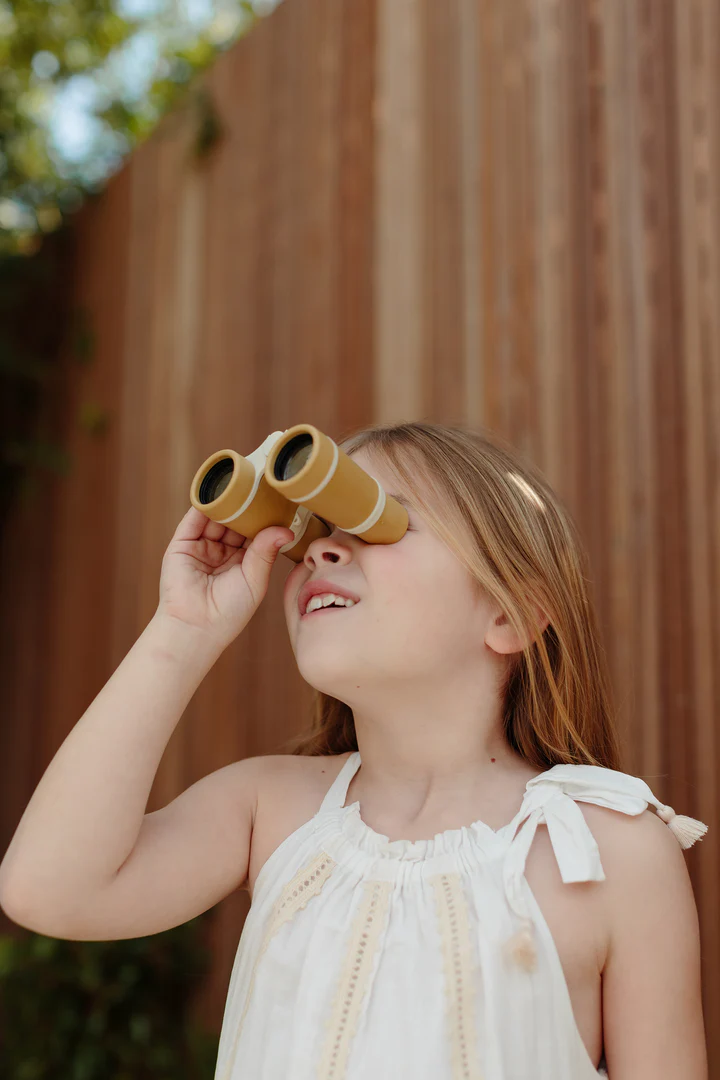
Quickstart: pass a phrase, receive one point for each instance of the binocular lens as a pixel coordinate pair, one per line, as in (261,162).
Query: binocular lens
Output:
(216,480)
(293,457)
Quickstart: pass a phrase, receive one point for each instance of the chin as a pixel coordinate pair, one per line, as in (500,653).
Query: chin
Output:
(325,676)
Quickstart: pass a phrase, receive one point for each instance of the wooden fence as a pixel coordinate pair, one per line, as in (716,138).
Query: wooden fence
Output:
(499,213)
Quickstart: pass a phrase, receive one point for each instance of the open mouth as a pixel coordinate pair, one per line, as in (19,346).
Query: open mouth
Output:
(324,610)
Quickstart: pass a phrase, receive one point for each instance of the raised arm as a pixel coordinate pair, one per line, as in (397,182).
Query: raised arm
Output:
(85,850)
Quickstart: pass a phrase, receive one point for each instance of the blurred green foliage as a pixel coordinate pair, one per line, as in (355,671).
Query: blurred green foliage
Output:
(69,36)
(104,1010)
(45,43)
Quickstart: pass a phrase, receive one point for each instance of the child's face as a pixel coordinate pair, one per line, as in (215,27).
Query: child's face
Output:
(419,620)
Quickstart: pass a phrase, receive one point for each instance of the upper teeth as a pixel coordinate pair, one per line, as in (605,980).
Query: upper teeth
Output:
(325,600)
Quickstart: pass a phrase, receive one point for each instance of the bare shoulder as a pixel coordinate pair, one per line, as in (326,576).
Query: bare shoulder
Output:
(304,773)
(290,790)
(641,858)
(640,842)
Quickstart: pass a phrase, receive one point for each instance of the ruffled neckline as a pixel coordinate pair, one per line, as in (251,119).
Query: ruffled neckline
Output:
(565,782)
(442,843)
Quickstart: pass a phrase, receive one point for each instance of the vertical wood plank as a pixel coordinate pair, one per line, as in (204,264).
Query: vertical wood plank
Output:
(399,302)
(471,136)
(696,31)
(443,261)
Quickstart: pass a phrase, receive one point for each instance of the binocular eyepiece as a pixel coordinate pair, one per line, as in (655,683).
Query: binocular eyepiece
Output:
(293,476)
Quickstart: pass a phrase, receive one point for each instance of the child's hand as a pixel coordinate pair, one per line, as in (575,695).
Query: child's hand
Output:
(214,579)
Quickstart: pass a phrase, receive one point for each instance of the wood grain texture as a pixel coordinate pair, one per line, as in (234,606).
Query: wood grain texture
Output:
(501,214)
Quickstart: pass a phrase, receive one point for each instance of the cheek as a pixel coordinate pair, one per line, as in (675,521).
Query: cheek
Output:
(425,594)
(398,587)
(291,576)
(291,586)
(387,570)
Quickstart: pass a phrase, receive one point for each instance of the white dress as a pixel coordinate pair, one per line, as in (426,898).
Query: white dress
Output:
(368,959)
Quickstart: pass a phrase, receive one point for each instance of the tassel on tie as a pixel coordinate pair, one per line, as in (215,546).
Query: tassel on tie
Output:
(686,829)
(520,948)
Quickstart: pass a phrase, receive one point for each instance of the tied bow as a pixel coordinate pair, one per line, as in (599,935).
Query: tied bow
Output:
(551,798)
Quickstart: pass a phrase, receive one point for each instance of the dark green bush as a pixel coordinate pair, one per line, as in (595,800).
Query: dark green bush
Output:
(104,1010)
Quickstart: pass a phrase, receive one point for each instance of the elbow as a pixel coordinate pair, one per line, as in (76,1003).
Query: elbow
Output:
(20,911)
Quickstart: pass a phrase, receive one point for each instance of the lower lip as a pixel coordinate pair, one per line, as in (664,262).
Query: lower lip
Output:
(323,611)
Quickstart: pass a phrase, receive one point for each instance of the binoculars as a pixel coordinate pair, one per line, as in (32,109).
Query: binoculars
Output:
(301,479)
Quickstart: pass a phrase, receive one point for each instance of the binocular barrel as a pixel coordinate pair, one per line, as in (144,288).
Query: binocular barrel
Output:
(291,477)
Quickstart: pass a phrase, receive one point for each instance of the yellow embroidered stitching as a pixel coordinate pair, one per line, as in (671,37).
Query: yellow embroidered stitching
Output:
(458,956)
(354,978)
(308,882)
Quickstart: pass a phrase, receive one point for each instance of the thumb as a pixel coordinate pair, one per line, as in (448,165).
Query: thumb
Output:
(260,557)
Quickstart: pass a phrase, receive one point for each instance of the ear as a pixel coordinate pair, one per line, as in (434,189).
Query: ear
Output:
(501,637)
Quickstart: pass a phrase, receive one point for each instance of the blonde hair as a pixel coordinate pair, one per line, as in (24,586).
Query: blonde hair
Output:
(501,518)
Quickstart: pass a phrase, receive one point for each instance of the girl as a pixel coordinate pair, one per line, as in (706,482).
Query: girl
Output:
(450,878)
(481,893)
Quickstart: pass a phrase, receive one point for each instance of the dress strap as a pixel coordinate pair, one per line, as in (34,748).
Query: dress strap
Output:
(618,791)
(337,791)
(551,799)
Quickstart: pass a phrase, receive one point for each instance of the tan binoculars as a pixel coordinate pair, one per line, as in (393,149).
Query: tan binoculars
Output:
(293,476)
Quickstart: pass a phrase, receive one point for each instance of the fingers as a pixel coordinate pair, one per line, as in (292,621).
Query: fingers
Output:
(192,525)
(196,525)
(232,539)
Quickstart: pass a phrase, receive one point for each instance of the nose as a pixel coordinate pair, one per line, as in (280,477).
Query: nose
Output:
(329,549)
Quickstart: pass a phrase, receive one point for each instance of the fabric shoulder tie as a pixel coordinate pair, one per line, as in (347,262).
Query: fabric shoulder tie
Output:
(551,799)
(619,791)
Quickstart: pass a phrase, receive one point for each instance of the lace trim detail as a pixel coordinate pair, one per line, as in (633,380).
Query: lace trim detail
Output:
(354,978)
(308,882)
(460,968)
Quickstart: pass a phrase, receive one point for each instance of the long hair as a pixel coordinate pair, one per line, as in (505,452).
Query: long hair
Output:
(501,518)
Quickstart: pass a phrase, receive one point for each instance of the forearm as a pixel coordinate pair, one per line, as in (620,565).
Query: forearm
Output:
(85,815)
